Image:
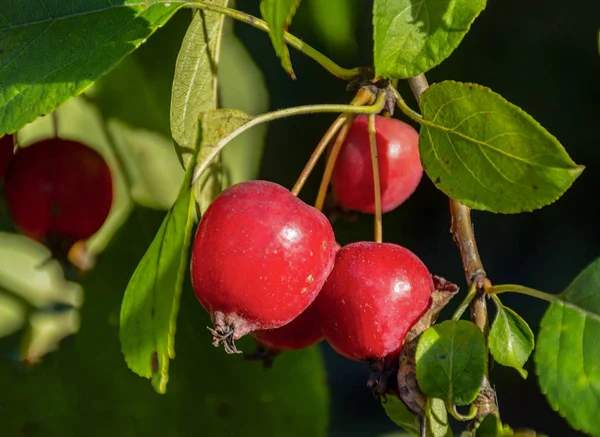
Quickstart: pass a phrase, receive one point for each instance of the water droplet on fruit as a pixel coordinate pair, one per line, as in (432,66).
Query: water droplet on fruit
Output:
(310,279)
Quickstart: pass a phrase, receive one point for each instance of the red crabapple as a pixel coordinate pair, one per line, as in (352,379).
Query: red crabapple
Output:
(303,331)
(58,192)
(6,152)
(259,259)
(399,162)
(372,298)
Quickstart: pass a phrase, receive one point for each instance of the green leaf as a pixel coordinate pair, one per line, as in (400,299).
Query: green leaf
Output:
(510,339)
(138,90)
(242,157)
(568,352)
(401,415)
(54,50)
(413,36)
(86,388)
(215,125)
(489,154)
(451,361)
(437,418)
(151,301)
(195,81)
(278,15)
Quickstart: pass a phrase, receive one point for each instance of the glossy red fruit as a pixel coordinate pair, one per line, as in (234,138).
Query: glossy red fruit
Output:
(399,161)
(58,191)
(303,331)
(6,152)
(374,295)
(259,259)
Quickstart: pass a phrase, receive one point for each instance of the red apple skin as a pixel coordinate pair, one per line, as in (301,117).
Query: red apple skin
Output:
(6,152)
(400,168)
(58,189)
(372,298)
(302,332)
(260,257)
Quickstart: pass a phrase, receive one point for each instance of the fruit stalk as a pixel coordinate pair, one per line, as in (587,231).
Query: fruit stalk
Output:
(331,160)
(376,186)
(363,97)
(464,237)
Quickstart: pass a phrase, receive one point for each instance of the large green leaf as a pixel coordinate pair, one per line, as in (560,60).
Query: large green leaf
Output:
(86,388)
(413,36)
(489,154)
(451,361)
(151,301)
(195,81)
(510,339)
(54,50)
(568,352)
(278,14)
(138,90)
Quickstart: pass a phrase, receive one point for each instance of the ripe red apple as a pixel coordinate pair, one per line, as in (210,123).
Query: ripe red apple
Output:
(259,259)
(399,161)
(303,331)
(58,192)
(372,298)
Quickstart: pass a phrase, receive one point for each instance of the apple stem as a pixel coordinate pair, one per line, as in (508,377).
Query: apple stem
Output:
(363,97)
(331,160)
(206,161)
(376,184)
(297,43)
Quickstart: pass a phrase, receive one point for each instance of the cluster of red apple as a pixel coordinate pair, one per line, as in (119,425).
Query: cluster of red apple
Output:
(57,191)
(266,263)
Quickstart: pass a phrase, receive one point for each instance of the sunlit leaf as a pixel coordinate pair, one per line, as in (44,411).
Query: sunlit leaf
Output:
(413,36)
(510,339)
(54,50)
(489,154)
(568,352)
(278,14)
(451,361)
(151,301)
(195,81)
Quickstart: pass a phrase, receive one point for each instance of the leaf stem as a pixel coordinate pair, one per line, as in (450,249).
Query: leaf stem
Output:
(454,413)
(298,44)
(331,160)
(362,97)
(376,184)
(283,113)
(493,290)
(465,303)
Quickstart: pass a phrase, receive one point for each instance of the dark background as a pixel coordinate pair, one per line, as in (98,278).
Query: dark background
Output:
(541,56)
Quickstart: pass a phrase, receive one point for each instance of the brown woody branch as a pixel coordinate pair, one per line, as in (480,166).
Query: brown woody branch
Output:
(464,237)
